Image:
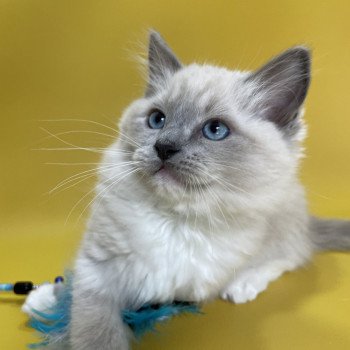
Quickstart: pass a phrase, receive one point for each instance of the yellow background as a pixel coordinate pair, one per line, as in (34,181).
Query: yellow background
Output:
(71,59)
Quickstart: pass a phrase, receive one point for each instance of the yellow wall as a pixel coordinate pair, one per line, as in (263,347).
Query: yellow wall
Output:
(71,59)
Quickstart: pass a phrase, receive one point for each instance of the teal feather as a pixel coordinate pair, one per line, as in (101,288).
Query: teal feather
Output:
(145,319)
(53,326)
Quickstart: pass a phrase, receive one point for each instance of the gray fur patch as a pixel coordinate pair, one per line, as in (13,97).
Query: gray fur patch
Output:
(161,62)
(330,234)
(281,88)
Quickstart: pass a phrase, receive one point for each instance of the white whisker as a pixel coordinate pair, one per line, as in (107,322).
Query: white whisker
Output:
(79,175)
(88,174)
(125,174)
(88,149)
(87,194)
(79,132)
(77,164)
(81,120)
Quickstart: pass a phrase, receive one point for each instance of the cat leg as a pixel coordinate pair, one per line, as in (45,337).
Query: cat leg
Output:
(250,282)
(97,323)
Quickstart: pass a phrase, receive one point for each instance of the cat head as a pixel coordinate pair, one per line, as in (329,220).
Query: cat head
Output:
(204,129)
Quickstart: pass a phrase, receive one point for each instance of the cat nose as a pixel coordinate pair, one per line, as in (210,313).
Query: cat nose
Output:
(165,150)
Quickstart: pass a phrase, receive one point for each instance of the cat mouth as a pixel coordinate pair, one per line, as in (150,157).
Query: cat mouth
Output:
(165,174)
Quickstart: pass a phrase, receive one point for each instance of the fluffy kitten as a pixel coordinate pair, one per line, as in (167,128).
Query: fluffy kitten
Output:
(204,201)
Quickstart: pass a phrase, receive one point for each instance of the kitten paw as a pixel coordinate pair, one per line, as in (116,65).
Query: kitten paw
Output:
(245,288)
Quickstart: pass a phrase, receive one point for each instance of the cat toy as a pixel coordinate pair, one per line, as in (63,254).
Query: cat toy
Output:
(23,287)
(53,324)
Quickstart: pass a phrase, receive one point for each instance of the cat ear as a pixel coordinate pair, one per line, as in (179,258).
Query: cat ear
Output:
(162,63)
(280,88)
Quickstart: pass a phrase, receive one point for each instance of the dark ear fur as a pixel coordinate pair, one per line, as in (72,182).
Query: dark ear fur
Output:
(162,62)
(281,87)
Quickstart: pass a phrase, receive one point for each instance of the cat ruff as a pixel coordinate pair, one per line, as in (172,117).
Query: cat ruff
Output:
(49,309)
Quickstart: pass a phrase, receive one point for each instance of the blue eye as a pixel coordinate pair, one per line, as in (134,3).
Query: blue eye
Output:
(215,130)
(156,120)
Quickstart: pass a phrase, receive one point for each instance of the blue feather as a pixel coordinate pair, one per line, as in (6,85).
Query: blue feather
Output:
(53,326)
(145,319)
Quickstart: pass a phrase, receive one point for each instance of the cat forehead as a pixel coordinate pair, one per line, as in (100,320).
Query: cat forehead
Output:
(203,87)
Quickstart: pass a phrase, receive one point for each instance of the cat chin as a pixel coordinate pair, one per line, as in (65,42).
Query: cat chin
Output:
(173,185)
(166,176)
(167,185)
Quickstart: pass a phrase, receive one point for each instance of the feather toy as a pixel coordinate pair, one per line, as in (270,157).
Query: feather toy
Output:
(56,299)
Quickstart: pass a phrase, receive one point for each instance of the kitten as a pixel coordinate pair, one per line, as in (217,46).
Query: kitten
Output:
(204,200)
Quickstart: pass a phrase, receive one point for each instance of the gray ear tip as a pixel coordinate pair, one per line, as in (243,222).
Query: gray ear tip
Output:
(154,36)
(303,49)
(301,56)
(300,52)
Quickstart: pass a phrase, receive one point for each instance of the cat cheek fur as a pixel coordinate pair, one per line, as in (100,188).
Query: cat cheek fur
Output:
(146,243)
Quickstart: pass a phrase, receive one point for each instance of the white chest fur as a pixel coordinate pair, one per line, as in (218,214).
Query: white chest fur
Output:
(159,257)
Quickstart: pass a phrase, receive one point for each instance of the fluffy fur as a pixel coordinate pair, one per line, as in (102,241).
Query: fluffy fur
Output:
(216,219)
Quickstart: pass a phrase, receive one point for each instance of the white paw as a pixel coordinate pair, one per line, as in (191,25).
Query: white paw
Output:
(245,288)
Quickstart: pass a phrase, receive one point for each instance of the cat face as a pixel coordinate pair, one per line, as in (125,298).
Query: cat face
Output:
(206,129)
